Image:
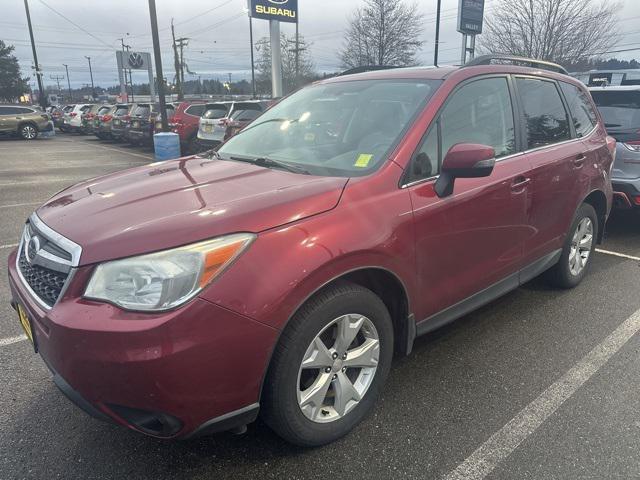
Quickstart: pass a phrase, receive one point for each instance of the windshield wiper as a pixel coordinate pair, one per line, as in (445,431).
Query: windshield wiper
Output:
(270,162)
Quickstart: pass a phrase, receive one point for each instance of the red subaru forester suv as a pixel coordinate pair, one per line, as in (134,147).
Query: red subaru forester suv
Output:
(279,275)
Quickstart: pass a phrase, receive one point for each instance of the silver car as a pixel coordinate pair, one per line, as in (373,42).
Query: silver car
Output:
(216,117)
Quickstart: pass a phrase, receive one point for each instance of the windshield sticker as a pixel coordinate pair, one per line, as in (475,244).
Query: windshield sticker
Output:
(363,160)
(309,137)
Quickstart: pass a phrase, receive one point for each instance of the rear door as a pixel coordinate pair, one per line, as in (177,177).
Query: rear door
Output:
(556,157)
(472,239)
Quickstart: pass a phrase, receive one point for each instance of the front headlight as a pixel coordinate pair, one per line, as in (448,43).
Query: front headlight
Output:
(164,280)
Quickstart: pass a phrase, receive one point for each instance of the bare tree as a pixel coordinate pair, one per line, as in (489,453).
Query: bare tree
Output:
(383,32)
(557,30)
(290,81)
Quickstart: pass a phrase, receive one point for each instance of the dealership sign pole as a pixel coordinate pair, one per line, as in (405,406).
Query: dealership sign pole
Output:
(275,11)
(470,18)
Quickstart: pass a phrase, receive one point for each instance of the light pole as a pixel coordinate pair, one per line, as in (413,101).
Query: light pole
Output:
(93,90)
(435,54)
(42,99)
(157,53)
(66,67)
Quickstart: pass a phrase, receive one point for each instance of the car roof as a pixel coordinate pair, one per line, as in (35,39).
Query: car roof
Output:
(443,72)
(616,88)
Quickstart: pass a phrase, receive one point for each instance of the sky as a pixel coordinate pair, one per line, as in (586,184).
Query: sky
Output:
(218,31)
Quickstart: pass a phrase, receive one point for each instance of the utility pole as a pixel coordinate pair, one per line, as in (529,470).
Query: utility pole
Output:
(42,99)
(57,78)
(127,47)
(93,89)
(297,51)
(157,53)
(253,67)
(437,43)
(178,59)
(66,67)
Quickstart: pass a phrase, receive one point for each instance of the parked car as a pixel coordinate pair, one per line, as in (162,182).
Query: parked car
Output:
(185,123)
(280,274)
(57,115)
(23,121)
(143,122)
(104,120)
(214,121)
(60,121)
(620,108)
(239,119)
(72,121)
(88,117)
(121,124)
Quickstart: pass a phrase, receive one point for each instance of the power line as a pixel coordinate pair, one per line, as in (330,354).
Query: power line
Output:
(74,24)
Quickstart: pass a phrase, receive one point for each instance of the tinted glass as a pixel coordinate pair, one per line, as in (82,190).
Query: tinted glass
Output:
(581,108)
(620,109)
(6,110)
(215,111)
(248,106)
(195,110)
(546,119)
(142,111)
(426,163)
(121,110)
(245,115)
(344,128)
(104,110)
(480,112)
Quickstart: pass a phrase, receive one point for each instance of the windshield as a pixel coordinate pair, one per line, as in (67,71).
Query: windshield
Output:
(620,109)
(338,129)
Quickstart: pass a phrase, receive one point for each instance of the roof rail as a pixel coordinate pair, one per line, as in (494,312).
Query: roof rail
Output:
(366,68)
(527,62)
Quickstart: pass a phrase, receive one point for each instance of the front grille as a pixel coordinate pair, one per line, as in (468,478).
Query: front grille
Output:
(46,261)
(47,284)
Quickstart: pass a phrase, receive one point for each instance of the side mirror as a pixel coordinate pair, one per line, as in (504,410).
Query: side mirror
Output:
(464,160)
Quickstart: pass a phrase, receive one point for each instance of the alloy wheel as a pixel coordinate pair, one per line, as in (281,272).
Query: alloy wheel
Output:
(28,132)
(338,368)
(581,244)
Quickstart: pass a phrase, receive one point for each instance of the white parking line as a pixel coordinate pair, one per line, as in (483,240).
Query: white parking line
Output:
(616,254)
(121,150)
(54,180)
(503,442)
(11,245)
(8,341)
(21,204)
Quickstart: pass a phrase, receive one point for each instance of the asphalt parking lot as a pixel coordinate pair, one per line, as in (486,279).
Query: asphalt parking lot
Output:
(539,384)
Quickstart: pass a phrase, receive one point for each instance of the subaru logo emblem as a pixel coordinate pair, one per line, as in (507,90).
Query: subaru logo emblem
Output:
(136,60)
(33,247)
(279,2)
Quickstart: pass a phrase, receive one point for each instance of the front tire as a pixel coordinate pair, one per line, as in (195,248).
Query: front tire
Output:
(329,366)
(578,249)
(28,131)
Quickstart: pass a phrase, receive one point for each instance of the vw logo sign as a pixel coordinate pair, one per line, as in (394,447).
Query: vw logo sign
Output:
(136,60)
(279,2)
(33,247)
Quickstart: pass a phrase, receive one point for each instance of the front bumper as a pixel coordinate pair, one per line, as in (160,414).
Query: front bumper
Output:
(197,369)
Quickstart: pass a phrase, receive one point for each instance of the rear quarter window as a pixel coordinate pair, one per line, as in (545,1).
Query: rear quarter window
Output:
(581,108)
(195,110)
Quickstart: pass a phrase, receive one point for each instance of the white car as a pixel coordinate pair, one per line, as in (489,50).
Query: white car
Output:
(73,118)
(216,117)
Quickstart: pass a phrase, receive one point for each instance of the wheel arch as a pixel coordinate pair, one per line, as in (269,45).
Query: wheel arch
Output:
(27,122)
(598,200)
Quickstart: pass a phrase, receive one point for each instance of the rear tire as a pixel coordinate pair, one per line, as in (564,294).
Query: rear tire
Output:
(28,131)
(578,249)
(348,320)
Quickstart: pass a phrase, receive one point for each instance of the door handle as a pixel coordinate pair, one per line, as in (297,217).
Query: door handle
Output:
(579,160)
(520,183)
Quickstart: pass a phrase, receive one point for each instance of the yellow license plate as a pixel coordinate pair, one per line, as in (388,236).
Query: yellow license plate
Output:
(208,128)
(25,322)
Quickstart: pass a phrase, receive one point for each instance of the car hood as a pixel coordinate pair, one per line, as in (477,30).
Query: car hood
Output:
(167,204)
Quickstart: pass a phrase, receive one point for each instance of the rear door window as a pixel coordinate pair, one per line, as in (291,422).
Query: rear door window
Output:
(545,117)
(581,108)
(245,115)
(620,109)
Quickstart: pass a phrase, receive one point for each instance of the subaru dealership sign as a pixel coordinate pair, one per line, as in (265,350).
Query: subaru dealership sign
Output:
(470,16)
(280,10)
